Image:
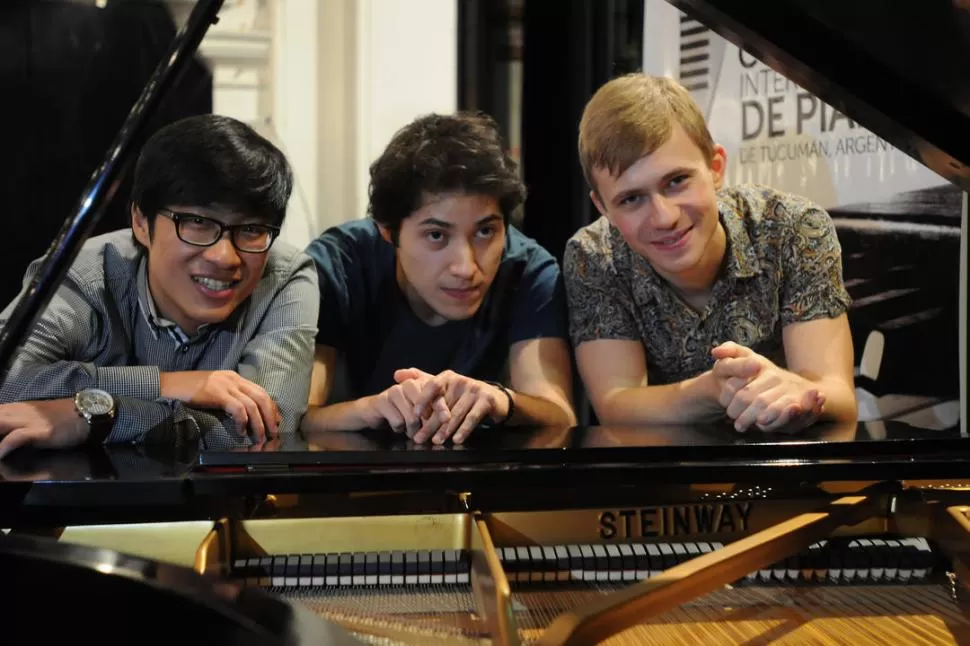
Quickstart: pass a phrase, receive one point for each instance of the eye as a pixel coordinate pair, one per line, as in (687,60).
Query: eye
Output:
(435,236)
(487,232)
(680,181)
(632,201)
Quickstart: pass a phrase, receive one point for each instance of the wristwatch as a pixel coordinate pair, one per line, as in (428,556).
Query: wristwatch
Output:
(97,407)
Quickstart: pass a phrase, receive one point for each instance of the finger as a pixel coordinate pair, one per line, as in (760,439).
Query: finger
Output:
(17,438)
(235,409)
(405,374)
(268,409)
(789,413)
(255,421)
(750,414)
(730,388)
(475,416)
(404,406)
(742,368)
(421,395)
(458,413)
(730,349)
(390,414)
(433,423)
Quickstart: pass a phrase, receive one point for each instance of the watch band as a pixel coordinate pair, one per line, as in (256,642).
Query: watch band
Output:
(508,394)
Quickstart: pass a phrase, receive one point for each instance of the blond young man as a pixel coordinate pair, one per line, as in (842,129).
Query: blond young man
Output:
(691,301)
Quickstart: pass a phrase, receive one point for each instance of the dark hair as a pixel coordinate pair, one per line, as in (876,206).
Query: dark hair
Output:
(440,154)
(212,161)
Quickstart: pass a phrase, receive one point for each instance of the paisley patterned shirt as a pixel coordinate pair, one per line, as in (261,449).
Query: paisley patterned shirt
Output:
(783,265)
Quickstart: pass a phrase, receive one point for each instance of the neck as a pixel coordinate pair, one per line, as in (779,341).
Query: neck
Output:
(420,308)
(696,282)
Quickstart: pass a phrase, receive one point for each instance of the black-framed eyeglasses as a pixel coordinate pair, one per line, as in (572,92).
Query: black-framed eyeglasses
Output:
(200,231)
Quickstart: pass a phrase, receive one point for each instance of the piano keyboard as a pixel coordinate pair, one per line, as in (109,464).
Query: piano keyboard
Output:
(864,560)
(416,567)
(859,560)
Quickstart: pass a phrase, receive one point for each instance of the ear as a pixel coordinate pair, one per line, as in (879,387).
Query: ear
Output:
(385,233)
(719,165)
(597,202)
(139,226)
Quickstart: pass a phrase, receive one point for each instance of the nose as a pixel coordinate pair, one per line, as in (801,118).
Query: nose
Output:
(223,253)
(663,213)
(463,262)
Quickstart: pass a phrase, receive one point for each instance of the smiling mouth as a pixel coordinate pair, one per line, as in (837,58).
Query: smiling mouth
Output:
(213,284)
(674,240)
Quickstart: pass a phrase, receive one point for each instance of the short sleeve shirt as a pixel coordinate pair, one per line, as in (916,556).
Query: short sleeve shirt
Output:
(783,265)
(364,314)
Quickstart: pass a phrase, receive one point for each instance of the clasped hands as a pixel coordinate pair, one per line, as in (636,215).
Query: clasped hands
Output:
(753,391)
(436,407)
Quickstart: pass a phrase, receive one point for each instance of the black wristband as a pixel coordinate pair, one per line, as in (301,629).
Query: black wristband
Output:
(508,394)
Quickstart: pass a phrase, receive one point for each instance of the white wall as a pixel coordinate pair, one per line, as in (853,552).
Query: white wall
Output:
(330,81)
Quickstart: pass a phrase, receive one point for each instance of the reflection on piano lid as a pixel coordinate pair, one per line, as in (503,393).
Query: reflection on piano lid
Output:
(124,599)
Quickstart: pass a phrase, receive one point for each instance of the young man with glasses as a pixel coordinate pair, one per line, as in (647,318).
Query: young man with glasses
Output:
(191,326)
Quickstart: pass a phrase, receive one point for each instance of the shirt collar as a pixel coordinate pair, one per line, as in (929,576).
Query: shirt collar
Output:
(155,321)
(742,259)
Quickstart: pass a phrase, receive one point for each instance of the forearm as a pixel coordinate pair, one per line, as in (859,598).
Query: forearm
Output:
(691,401)
(29,381)
(344,416)
(840,400)
(531,410)
(173,423)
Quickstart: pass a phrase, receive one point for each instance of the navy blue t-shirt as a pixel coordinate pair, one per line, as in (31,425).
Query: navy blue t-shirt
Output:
(365,316)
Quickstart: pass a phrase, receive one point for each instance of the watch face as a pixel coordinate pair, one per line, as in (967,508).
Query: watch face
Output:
(95,402)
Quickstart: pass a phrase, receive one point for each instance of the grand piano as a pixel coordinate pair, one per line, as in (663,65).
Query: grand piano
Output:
(554,536)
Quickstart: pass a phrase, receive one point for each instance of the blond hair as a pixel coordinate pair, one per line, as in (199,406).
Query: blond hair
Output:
(631,116)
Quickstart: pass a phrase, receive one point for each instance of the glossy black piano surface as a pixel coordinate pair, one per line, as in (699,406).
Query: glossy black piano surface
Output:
(144,481)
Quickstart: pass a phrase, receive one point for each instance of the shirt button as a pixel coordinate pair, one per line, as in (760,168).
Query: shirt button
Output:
(185,349)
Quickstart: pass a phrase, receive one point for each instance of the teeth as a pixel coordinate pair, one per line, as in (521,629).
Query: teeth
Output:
(212,283)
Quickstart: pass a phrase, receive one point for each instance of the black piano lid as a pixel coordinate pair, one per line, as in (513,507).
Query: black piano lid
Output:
(900,69)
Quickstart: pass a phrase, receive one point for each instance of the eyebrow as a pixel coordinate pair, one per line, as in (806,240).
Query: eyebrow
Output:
(435,222)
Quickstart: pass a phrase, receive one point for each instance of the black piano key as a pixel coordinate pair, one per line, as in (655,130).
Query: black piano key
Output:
(562,563)
(279,571)
(640,561)
(410,567)
(680,554)
(397,563)
(891,573)
(319,570)
(345,568)
(333,568)
(627,562)
(265,570)
(370,568)
(601,563)
(306,568)
(655,559)
(384,568)
(588,560)
(358,563)
(424,566)
(292,570)
(614,564)
(575,554)
(451,561)
(537,564)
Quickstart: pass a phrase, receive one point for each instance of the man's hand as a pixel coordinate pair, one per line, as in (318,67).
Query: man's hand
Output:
(412,406)
(470,401)
(247,403)
(754,391)
(53,423)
